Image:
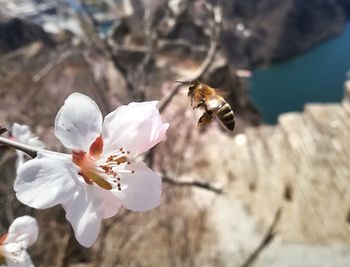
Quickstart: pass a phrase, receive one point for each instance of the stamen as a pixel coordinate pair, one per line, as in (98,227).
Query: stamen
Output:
(102,171)
(126,171)
(86,179)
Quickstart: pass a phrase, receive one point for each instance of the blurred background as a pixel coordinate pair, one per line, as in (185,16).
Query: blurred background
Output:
(274,193)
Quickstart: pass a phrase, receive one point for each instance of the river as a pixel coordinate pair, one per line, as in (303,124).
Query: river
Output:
(316,76)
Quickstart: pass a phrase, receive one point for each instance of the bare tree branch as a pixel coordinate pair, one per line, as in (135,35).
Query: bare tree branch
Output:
(3,130)
(152,37)
(100,86)
(61,254)
(52,65)
(29,150)
(33,152)
(109,50)
(214,45)
(200,184)
(268,237)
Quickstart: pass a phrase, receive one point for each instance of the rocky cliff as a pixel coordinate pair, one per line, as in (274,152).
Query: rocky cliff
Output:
(294,176)
(273,30)
(16,33)
(256,32)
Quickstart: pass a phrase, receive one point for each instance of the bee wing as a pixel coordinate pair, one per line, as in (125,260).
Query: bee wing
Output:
(214,103)
(222,92)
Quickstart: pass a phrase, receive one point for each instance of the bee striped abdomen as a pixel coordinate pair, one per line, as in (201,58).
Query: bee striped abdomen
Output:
(226,116)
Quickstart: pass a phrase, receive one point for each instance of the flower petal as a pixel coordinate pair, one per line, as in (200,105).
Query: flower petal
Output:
(46,181)
(111,203)
(136,127)
(21,132)
(23,229)
(141,190)
(19,159)
(35,142)
(78,122)
(17,257)
(85,213)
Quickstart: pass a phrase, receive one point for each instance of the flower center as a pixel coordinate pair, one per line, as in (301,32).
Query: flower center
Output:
(104,172)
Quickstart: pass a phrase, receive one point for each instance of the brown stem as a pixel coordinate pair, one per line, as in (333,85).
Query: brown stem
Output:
(107,48)
(3,130)
(200,184)
(268,237)
(31,151)
(214,46)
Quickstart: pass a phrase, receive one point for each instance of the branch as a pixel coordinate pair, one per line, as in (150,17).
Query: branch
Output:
(268,237)
(51,65)
(99,86)
(152,37)
(109,50)
(214,45)
(31,151)
(3,130)
(200,184)
(180,42)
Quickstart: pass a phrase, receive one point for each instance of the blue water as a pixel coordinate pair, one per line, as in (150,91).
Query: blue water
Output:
(316,76)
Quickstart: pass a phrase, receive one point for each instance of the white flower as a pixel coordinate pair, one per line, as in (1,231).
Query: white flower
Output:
(23,232)
(101,174)
(23,134)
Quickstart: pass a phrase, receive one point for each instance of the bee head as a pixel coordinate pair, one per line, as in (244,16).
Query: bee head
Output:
(192,87)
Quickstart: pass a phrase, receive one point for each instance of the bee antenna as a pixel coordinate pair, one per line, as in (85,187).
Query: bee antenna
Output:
(182,82)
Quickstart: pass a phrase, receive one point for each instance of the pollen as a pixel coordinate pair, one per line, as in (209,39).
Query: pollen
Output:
(105,172)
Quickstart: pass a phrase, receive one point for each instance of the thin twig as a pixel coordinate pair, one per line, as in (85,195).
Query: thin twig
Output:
(99,86)
(3,130)
(61,254)
(268,237)
(166,43)
(203,68)
(200,184)
(51,65)
(109,50)
(148,57)
(31,151)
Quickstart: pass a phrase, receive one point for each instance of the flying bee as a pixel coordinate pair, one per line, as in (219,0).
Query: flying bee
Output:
(206,97)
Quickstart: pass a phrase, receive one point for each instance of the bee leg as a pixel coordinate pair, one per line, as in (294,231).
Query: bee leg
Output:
(207,110)
(205,119)
(201,103)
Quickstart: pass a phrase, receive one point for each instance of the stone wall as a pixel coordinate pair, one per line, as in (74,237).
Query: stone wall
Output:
(301,166)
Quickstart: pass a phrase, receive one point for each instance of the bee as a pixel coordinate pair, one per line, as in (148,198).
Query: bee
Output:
(206,97)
